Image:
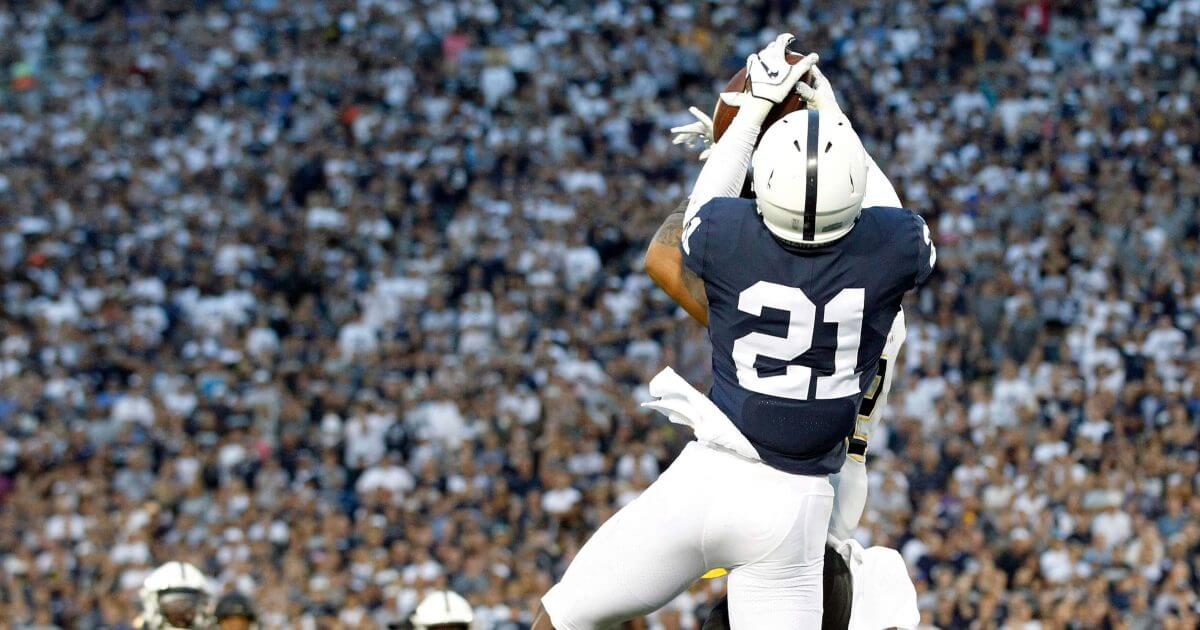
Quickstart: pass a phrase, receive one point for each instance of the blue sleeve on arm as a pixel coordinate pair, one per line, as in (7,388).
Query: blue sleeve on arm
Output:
(694,242)
(926,251)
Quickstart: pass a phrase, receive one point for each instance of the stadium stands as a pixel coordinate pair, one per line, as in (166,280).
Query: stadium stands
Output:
(341,301)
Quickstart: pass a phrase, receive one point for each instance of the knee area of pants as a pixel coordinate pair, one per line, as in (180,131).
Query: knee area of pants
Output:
(568,615)
(777,578)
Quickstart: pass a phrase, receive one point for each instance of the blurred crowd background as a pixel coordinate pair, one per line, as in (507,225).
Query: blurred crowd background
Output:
(342,301)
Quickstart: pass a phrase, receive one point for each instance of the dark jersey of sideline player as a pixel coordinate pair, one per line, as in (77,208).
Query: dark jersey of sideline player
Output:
(797,332)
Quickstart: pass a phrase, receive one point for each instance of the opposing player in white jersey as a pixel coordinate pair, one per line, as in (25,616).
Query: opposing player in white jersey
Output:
(753,492)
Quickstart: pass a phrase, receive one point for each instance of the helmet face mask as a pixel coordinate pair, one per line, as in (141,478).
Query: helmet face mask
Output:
(809,175)
(176,596)
(181,607)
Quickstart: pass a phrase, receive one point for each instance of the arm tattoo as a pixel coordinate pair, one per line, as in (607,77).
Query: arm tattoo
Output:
(670,233)
(695,287)
(671,230)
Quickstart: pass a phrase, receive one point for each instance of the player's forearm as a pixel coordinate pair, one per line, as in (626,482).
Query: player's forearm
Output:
(870,410)
(849,499)
(866,423)
(724,171)
(850,483)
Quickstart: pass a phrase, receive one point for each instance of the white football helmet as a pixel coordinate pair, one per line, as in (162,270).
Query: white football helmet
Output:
(443,609)
(176,596)
(810,174)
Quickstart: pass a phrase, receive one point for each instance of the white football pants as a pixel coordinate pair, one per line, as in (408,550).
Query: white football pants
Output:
(710,509)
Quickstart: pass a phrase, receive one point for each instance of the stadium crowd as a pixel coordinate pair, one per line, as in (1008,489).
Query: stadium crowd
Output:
(342,300)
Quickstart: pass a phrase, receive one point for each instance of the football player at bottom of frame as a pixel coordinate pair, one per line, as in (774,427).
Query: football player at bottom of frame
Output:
(799,287)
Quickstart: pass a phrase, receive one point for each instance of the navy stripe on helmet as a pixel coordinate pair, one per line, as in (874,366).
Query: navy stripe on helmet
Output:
(810,186)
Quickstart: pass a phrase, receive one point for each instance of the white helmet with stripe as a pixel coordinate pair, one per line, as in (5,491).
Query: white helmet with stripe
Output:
(810,174)
(442,609)
(176,596)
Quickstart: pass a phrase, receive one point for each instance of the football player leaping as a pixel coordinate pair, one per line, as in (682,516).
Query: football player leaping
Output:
(864,588)
(872,583)
(801,287)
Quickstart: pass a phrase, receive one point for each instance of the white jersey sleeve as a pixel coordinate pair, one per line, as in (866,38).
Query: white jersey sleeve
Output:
(880,191)
(850,483)
(870,411)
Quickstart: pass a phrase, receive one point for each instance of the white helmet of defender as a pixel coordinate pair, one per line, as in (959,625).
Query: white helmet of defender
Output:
(810,174)
(176,596)
(442,609)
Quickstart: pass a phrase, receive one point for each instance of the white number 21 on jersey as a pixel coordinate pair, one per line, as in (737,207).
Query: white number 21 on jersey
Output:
(845,309)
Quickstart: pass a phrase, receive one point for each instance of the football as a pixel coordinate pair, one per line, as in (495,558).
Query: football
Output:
(724,112)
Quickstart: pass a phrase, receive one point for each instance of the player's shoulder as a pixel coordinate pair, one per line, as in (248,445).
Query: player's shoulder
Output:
(720,215)
(901,232)
(726,209)
(716,233)
(891,217)
(887,224)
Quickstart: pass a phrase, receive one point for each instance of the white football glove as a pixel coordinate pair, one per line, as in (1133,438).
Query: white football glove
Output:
(819,95)
(771,76)
(697,135)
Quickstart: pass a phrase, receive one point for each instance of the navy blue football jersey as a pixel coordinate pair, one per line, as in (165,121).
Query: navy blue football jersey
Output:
(797,332)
